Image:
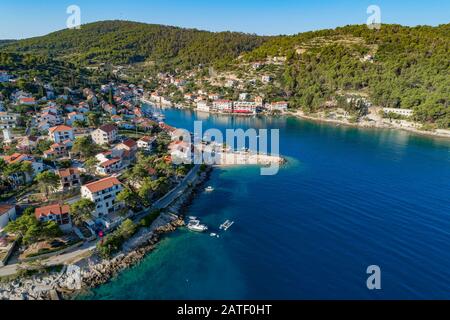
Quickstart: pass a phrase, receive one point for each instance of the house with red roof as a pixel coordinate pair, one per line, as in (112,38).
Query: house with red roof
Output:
(103,193)
(69,178)
(61,133)
(106,134)
(57,213)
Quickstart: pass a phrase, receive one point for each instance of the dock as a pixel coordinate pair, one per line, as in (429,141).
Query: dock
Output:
(226,225)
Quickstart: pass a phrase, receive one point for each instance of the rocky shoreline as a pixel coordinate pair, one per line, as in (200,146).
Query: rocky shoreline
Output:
(370,125)
(94,271)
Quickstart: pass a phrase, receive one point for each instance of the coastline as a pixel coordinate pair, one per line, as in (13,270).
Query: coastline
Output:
(95,271)
(360,124)
(368,125)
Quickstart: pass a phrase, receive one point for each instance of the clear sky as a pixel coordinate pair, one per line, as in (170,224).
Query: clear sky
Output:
(27,18)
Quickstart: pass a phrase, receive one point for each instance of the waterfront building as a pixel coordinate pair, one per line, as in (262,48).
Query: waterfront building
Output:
(398,111)
(224,106)
(203,106)
(103,193)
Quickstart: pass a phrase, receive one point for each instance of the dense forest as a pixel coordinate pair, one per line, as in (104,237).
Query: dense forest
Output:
(396,66)
(122,42)
(407,68)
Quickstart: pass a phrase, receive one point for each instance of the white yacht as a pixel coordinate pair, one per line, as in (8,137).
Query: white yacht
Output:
(195,225)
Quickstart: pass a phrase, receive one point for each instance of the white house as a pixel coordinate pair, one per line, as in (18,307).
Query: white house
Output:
(61,133)
(281,106)
(401,112)
(7,214)
(146,143)
(106,134)
(249,107)
(103,193)
(36,165)
(57,213)
(225,106)
(203,106)
(8,120)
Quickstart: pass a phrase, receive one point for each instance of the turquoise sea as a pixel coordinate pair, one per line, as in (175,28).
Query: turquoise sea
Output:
(348,198)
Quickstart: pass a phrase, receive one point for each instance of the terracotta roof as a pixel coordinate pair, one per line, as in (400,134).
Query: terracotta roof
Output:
(60,128)
(103,184)
(16,157)
(108,128)
(55,209)
(130,143)
(4,208)
(68,172)
(27,100)
(147,139)
(109,162)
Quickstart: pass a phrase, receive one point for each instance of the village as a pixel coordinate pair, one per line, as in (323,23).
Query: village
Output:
(76,168)
(85,170)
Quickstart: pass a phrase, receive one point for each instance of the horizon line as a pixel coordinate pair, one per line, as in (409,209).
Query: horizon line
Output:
(222,31)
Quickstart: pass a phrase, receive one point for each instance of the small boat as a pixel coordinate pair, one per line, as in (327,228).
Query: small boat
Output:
(214,235)
(209,189)
(194,225)
(226,225)
(192,218)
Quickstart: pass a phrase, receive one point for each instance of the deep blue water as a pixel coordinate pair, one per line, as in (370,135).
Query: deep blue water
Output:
(347,199)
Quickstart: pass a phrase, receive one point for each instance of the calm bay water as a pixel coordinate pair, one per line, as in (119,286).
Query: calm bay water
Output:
(347,199)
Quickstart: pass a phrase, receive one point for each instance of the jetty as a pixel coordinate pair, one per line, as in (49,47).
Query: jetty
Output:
(226,225)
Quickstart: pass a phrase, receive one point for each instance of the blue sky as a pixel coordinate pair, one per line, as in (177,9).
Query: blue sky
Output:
(27,18)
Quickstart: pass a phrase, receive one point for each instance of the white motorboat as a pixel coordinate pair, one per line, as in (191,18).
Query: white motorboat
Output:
(209,189)
(195,225)
(226,225)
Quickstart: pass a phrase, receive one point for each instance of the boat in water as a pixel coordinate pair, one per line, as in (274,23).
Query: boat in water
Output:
(209,189)
(195,225)
(226,225)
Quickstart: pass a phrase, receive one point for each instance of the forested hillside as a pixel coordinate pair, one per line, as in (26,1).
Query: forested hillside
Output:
(122,42)
(396,66)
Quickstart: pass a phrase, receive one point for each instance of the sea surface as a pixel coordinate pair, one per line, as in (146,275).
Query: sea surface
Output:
(348,198)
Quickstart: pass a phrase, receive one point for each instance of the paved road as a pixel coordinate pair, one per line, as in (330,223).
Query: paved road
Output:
(160,204)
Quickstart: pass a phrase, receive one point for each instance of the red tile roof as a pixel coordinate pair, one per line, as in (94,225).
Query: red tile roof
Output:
(108,128)
(55,209)
(4,208)
(60,128)
(109,162)
(68,172)
(103,184)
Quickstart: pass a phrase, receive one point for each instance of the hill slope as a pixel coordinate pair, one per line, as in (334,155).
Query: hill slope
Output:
(122,42)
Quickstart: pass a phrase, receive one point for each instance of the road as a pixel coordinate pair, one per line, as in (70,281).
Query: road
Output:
(162,203)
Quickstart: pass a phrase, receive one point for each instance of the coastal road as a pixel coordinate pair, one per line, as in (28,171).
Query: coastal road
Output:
(162,203)
(172,195)
(12,269)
